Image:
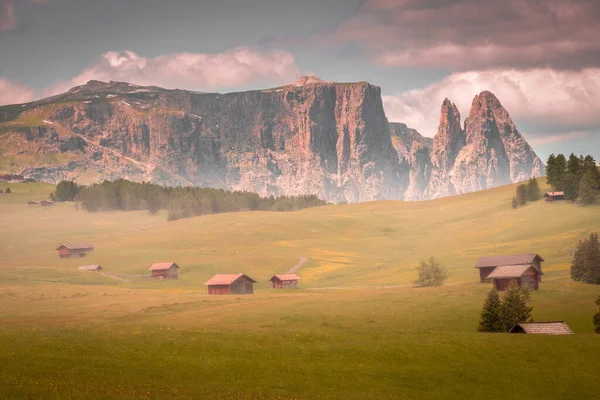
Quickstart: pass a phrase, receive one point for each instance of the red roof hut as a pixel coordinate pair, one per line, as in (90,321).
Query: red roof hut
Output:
(74,250)
(284,281)
(164,270)
(230,284)
(488,264)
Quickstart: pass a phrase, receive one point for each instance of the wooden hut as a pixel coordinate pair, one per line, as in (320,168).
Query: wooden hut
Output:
(527,276)
(543,328)
(230,284)
(33,202)
(284,281)
(46,203)
(551,196)
(74,250)
(90,268)
(164,270)
(488,264)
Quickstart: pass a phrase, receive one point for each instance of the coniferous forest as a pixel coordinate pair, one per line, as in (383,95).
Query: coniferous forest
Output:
(181,201)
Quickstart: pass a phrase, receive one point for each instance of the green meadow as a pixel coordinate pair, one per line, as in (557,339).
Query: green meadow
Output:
(355,329)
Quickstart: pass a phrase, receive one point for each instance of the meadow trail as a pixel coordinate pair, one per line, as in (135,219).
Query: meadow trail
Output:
(300,262)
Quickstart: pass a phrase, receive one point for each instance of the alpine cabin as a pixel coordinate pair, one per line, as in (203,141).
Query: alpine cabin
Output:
(542,328)
(284,281)
(527,276)
(74,250)
(96,268)
(551,196)
(164,270)
(230,284)
(488,264)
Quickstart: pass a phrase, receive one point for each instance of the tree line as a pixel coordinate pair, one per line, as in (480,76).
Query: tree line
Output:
(578,177)
(527,192)
(180,201)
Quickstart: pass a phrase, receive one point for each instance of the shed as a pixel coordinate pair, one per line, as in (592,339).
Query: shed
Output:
(487,264)
(74,250)
(284,281)
(527,276)
(90,267)
(32,202)
(551,196)
(46,203)
(164,270)
(230,284)
(543,328)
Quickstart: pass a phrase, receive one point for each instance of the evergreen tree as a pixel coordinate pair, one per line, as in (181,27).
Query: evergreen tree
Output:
(8,191)
(522,194)
(550,169)
(588,188)
(585,266)
(491,314)
(571,187)
(574,165)
(514,306)
(589,165)
(66,191)
(597,316)
(515,202)
(556,169)
(533,190)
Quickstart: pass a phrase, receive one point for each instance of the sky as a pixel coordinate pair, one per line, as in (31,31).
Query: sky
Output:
(540,58)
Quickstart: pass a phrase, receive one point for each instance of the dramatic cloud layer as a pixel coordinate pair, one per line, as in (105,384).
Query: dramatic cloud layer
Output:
(8,20)
(475,34)
(193,71)
(562,103)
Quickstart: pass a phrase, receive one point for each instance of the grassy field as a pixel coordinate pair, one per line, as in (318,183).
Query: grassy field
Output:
(355,329)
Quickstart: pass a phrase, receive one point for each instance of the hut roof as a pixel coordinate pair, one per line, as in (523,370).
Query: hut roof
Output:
(90,267)
(72,246)
(162,266)
(518,259)
(511,271)
(286,277)
(225,279)
(545,328)
(554,194)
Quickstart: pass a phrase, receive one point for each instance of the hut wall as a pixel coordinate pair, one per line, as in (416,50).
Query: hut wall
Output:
(242,286)
(530,279)
(484,272)
(170,273)
(219,289)
(501,284)
(290,284)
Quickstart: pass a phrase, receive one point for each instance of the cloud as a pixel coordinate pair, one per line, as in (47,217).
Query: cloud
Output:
(566,137)
(14,93)
(8,19)
(474,34)
(542,100)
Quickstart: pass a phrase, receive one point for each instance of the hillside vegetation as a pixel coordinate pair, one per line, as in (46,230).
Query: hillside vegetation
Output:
(66,333)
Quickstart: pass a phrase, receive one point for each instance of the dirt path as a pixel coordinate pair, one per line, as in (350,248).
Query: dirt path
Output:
(300,262)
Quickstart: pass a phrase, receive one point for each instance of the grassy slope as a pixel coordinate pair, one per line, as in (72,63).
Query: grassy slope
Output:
(102,337)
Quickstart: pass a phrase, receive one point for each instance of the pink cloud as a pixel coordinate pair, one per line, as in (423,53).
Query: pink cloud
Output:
(562,138)
(470,34)
(542,97)
(14,93)
(8,19)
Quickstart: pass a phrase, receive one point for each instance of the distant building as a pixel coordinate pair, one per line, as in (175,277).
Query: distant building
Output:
(90,267)
(543,328)
(284,281)
(32,202)
(527,276)
(74,250)
(488,264)
(164,270)
(230,284)
(551,196)
(46,203)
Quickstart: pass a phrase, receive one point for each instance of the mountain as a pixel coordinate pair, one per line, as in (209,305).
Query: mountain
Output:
(309,137)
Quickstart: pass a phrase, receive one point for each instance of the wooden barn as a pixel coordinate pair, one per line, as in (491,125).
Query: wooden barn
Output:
(90,267)
(46,203)
(551,196)
(543,328)
(33,202)
(284,281)
(164,270)
(74,250)
(527,276)
(488,264)
(230,284)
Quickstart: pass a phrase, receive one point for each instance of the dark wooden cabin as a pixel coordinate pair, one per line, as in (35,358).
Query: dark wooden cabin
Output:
(488,264)
(90,268)
(33,202)
(543,328)
(164,270)
(551,196)
(46,203)
(74,250)
(230,284)
(284,281)
(527,276)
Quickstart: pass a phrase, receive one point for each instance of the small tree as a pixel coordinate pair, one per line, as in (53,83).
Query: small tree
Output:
(597,316)
(522,194)
(533,190)
(514,306)
(491,314)
(586,260)
(7,191)
(431,273)
(571,187)
(588,188)
(515,202)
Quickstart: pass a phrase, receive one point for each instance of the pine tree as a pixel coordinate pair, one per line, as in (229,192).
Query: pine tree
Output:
(571,187)
(585,266)
(589,165)
(550,168)
(597,316)
(514,306)
(574,165)
(491,314)
(533,190)
(515,202)
(8,191)
(588,188)
(522,193)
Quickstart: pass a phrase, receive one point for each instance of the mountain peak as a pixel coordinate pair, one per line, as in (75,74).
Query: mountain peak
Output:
(309,80)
